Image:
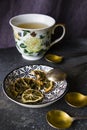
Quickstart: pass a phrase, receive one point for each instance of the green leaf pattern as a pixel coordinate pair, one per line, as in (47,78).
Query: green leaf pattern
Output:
(32,44)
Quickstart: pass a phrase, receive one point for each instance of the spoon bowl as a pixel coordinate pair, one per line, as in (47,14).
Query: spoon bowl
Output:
(56,75)
(53,58)
(76,99)
(60,119)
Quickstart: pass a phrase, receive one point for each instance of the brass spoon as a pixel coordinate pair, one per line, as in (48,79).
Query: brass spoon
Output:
(60,119)
(53,58)
(76,99)
(56,75)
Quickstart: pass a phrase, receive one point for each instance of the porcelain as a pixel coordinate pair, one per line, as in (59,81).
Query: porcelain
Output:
(55,94)
(34,43)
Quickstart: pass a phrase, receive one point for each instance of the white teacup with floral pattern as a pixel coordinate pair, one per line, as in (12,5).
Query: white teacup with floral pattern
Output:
(33,43)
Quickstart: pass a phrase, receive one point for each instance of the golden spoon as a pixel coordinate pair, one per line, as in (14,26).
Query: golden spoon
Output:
(53,58)
(60,119)
(76,99)
(56,75)
(57,59)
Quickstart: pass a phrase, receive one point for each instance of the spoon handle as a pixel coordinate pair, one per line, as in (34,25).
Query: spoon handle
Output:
(80,118)
(77,54)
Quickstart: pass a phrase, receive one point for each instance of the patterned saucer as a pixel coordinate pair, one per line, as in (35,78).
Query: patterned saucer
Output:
(55,94)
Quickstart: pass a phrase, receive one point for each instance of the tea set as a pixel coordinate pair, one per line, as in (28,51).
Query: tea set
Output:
(32,34)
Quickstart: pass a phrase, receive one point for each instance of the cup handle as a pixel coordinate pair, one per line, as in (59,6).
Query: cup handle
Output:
(57,40)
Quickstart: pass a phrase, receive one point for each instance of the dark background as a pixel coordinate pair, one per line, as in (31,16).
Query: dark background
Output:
(72,13)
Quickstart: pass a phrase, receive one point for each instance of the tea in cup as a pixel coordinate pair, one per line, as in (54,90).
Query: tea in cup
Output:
(32,34)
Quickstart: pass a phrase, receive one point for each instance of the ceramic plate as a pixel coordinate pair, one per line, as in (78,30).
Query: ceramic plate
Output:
(55,94)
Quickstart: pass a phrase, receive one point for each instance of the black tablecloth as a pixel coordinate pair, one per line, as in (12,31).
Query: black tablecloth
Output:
(16,117)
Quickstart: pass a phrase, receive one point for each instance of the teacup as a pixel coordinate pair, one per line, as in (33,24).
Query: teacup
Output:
(32,34)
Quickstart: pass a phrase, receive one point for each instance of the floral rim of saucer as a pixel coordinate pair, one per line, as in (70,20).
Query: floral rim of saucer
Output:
(55,94)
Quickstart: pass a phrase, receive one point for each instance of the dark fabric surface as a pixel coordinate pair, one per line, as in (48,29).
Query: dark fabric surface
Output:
(72,13)
(16,117)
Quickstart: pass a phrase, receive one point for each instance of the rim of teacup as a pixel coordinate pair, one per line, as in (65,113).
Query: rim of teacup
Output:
(14,21)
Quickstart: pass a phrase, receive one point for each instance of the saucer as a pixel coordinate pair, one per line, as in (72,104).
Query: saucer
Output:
(52,96)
